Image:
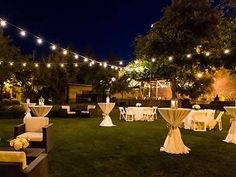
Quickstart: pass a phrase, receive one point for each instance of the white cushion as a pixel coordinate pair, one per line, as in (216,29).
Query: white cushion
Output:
(12,156)
(32,136)
(71,112)
(35,124)
(85,112)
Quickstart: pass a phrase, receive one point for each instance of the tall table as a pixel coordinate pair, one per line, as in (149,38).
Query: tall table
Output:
(174,143)
(27,109)
(106,109)
(40,111)
(231,137)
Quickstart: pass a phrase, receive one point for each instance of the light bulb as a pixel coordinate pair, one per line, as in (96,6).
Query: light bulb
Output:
(22,33)
(227,51)
(53,47)
(189,55)
(65,52)
(11,63)
(76,65)
(24,64)
(62,65)
(199,75)
(105,65)
(39,41)
(49,65)
(100,64)
(3,23)
(76,56)
(85,59)
(207,54)
(170,58)
(121,63)
(36,65)
(153,59)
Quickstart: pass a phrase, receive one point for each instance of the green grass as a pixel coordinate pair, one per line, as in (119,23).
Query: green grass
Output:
(82,148)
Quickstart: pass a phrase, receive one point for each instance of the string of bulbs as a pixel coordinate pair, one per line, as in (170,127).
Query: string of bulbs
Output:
(53,47)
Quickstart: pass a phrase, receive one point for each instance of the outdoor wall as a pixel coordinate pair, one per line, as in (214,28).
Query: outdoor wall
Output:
(78,89)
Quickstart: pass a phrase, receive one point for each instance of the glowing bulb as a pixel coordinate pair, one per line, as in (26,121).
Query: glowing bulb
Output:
(189,56)
(227,51)
(136,61)
(3,23)
(49,65)
(121,63)
(22,33)
(62,65)
(39,41)
(36,65)
(105,65)
(207,54)
(199,75)
(11,63)
(116,68)
(100,64)
(152,25)
(112,67)
(76,56)
(85,59)
(170,58)
(24,64)
(65,52)
(113,79)
(90,64)
(76,65)
(153,59)
(53,47)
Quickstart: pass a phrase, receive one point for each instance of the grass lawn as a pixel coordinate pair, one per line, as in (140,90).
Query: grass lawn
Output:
(82,148)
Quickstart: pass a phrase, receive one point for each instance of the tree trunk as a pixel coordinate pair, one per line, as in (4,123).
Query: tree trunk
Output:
(173,89)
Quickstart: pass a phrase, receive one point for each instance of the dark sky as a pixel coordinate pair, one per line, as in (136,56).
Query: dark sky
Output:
(106,26)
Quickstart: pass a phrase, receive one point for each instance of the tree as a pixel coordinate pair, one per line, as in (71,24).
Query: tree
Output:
(187,27)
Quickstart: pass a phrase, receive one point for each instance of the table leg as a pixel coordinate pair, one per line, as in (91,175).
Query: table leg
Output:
(174,143)
(231,137)
(107,122)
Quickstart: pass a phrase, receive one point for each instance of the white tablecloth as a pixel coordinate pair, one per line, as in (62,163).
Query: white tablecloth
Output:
(40,111)
(138,112)
(205,115)
(106,109)
(174,143)
(27,109)
(231,137)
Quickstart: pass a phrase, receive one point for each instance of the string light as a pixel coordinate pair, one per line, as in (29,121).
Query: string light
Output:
(207,54)
(39,41)
(112,67)
(62,65)
(170,58)
(53,47)
(199,75)
(76,56)
(85,59)
(65,52)
(105,65)
(227,51)
(11,63)
(153,60)
(121,63)
(36,65)
(100,64)
(90,64)
(189,56)
(24,64)
(49,65)
(76,65)
(3,23)
(116,68)
(22,33)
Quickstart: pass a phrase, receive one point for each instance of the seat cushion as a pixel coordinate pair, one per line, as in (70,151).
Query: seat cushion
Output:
(35,124)
(12,156)
(85,112)
(32,136)
(71,112)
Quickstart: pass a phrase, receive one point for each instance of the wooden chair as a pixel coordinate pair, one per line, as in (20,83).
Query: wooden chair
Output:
(38,131)
(13,164)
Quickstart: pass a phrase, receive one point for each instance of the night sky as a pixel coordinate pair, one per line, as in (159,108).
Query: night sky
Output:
(104,26)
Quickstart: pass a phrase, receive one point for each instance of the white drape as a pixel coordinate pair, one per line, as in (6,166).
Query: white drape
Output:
(106,109)
(174,143)
(231,137)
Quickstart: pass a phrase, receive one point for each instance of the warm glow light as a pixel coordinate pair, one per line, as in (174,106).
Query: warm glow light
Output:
(22,33)
(152,25)
(199,75)
(62,65)
(189,56)
(85,59)
(24,64)
(170,58)
(76,56)
(90,64)
(105,65)
(113,79)
(227,51)
(121,63)
(49,65)
(76,65)
(39,41)
(136,61)
(100,64)
(153,59)
(65,52)
(36,65)
(207,54)
(112,67)
(11,63)
(3,23)
(116,68)
(53,47)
